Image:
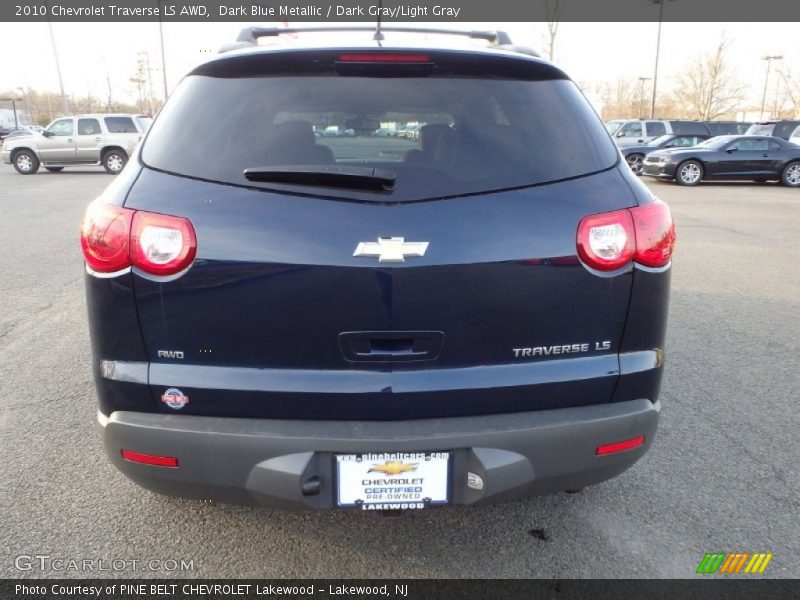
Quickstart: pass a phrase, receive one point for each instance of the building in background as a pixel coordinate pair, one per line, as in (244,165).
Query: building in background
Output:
(7,118)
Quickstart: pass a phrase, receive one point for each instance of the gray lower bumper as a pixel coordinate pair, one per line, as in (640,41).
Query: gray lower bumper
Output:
(254,461)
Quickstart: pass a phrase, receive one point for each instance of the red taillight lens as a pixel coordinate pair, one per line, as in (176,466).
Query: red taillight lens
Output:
(149,459)
(162,244)
(113,238)
(645,234)
(655,233)
(620,446)
(379,57)
(606,241)
(104,237)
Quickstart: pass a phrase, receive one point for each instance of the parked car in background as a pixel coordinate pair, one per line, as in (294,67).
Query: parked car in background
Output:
(94,139)
(10,134)
(758,158)
(627,132)
(727,127)
(634,155)
(477,319)
(781,129)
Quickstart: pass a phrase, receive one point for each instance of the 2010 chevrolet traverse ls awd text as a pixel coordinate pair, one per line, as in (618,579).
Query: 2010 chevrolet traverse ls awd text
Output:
(360,319)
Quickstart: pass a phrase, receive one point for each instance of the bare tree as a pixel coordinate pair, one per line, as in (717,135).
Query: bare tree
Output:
(620,98)
(551,8)
(707,88)
(791,84)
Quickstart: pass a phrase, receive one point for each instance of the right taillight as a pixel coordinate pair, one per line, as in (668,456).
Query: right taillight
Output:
(655,233)
(114,238)
(644,234)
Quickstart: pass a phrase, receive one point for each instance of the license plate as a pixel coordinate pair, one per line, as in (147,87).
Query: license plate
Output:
(392,481)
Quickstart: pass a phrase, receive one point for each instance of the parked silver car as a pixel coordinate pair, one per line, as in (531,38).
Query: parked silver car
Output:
(94,139)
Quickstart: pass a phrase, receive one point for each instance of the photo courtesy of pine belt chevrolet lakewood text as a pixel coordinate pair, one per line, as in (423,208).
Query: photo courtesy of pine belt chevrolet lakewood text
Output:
(379,276)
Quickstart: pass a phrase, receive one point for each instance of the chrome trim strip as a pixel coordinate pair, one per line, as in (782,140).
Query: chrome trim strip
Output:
(94,273)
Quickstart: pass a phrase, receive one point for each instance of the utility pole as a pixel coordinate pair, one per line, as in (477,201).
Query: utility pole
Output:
(658,53)
(25,101)
(14,106)
(149,82)
(64,107)
(769,60)
(163,60)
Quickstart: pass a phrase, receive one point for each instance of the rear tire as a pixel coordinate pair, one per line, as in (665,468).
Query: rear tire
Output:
(55,169)
(25,162)
(635,163)
(114,161)
(791,174)
(689,172)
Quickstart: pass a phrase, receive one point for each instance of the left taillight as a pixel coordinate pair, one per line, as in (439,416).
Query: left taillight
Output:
(105,237)
(114,238)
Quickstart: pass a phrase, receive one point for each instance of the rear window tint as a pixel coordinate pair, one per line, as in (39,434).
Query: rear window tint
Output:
(120,125)
(442,136)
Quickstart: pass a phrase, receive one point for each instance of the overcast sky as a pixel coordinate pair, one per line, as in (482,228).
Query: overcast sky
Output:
(590,52)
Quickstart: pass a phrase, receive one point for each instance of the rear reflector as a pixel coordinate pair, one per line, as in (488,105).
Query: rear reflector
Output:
(620,446)
(149,459)
(385,58)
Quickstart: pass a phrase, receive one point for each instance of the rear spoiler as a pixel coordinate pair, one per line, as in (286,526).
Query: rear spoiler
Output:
(249,36)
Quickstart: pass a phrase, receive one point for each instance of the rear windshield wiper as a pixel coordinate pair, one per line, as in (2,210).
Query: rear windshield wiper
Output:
(360,178)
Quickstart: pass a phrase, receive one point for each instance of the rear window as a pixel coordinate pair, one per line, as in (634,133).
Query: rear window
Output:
(761,129)
(144,122)
(441,136)
(120,125)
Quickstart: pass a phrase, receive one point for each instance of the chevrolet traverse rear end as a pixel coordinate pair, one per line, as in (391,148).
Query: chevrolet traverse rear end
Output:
(291,304)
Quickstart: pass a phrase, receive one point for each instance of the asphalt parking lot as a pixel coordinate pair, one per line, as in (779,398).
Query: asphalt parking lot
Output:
(722,475)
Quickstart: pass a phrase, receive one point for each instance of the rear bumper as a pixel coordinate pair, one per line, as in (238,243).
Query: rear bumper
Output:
(5,156)
(266,462)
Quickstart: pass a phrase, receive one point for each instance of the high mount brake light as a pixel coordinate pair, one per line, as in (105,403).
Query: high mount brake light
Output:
(114,238)
(381,57)
(644,234)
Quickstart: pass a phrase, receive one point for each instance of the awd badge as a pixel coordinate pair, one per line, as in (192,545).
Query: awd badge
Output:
(174,398)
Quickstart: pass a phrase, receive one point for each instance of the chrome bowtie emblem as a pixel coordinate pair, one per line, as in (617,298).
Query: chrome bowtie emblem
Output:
(391,249)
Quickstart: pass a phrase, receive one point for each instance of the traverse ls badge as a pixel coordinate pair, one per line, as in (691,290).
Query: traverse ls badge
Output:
(391,249)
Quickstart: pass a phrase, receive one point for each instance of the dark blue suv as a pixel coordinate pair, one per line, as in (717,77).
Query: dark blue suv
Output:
(292,304)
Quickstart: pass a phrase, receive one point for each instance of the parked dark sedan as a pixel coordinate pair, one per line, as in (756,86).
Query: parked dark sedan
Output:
(635,154)
(728,157)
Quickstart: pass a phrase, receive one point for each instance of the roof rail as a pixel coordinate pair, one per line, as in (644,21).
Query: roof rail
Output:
(249,35)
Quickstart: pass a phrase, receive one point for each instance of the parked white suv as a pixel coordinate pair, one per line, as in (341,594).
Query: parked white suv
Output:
(630,132)
(95,139)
